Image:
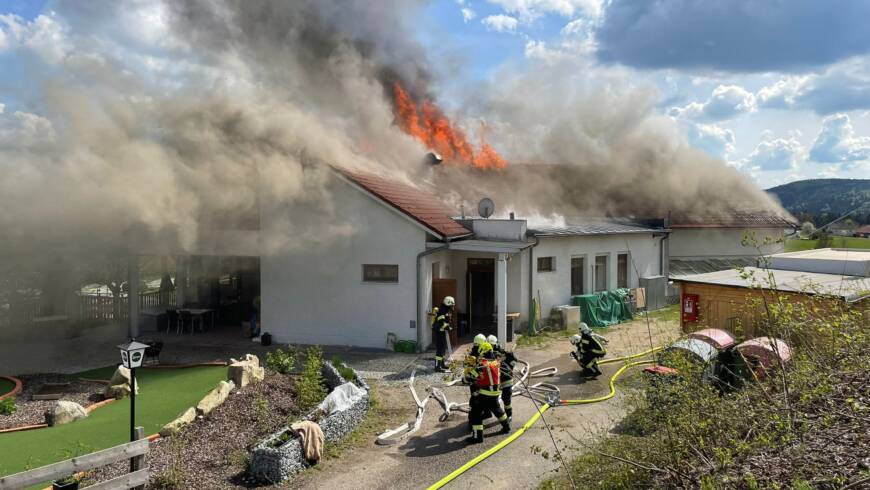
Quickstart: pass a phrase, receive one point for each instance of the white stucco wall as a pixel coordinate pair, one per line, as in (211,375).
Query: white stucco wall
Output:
(314,294)
(555,287)
(720,242)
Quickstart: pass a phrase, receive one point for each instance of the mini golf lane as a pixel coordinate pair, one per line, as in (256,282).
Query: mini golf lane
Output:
(163,394)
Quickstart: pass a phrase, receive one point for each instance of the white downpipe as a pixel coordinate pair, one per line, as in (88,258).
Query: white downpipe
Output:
(501,298)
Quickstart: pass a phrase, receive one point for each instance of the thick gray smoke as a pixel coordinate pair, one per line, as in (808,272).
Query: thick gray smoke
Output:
(584,140)
(161,121)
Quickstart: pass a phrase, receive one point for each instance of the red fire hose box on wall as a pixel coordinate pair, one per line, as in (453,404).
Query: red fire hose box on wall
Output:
(690,307)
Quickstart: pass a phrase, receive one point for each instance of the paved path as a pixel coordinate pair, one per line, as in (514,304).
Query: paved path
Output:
(438,447)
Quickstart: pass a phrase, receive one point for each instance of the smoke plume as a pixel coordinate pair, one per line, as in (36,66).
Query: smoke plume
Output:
(156,121)
(583,140)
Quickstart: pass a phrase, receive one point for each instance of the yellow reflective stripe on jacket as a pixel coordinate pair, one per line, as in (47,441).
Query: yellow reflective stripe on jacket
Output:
(491,392)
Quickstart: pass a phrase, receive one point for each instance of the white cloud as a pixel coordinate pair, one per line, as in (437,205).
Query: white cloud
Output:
(2,108)
(467,14)
(576,26)
(529,10)
(726,102)
(837,142)
(840,88)
(558,52)
(782,94)
(713,140)
(44,35)
(775,154)
(500,23)
(25,130)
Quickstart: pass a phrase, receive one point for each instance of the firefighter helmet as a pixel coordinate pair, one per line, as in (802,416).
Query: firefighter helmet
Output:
(492,339)
(479,339)
(576,339)
(585,328)
(449,301)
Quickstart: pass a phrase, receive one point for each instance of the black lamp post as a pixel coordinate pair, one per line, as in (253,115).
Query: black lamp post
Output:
(132,355)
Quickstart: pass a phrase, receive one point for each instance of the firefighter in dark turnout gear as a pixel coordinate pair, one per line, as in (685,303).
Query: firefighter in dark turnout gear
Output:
(590,348)
(441,326)
(508,362)
(488,390)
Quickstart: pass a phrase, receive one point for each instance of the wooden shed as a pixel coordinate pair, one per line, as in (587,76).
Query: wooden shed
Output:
(725,299)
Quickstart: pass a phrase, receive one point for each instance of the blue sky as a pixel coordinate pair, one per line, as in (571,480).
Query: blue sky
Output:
(780,90)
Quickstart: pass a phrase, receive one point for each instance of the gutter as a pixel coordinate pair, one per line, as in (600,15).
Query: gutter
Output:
(531,276)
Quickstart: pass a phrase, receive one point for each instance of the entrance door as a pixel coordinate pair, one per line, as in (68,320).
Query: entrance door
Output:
(480,287)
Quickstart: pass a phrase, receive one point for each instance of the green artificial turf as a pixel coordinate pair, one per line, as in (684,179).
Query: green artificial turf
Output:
(795,245)
(6,386)
(163,394)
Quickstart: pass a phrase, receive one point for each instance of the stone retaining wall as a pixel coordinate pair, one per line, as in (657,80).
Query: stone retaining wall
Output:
(276,464)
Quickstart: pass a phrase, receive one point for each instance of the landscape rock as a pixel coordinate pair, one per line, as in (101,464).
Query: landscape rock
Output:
(245,371)
(215,397)
(183,419)
(119,385)
(64,412)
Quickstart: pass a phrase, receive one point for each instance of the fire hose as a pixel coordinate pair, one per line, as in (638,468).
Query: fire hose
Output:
(542,392)
(546,406)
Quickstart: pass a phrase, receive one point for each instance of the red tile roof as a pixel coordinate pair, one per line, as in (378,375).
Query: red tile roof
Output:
(417,204)
(731,220)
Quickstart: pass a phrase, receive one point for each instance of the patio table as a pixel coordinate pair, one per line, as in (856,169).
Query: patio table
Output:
(200,312)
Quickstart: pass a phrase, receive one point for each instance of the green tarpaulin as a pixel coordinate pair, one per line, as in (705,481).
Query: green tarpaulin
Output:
(604,308)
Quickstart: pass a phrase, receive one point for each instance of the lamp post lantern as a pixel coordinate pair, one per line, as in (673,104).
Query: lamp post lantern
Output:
(132,355)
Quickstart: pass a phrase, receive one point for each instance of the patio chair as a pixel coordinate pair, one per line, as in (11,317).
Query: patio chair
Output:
(171,320)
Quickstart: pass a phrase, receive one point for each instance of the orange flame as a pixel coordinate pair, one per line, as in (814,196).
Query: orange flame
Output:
(429,125)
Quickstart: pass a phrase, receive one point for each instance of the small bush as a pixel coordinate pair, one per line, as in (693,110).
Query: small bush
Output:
(7,406)
(310,388)
(342,368)
(281,361)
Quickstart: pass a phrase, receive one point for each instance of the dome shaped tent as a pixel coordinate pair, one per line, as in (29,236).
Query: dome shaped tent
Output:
(693,350)
(719,339)
(764,353)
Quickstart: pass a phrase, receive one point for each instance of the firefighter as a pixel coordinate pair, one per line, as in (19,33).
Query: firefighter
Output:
(590,348)
(441,326)
(508,362)
(487,390)
(469,374)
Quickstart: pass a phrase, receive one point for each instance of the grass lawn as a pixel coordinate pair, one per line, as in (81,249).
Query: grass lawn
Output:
(163,394)
(796,244)
(6,386)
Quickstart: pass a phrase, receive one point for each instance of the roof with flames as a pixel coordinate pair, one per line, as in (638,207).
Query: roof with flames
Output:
(731,220)
(419,205)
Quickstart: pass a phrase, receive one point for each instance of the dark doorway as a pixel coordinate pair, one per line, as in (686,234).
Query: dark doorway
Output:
(480,287)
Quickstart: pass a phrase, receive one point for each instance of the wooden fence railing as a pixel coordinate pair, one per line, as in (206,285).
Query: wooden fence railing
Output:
(134,451)
(90,307)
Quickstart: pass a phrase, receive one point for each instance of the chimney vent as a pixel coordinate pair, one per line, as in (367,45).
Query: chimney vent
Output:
(512,215)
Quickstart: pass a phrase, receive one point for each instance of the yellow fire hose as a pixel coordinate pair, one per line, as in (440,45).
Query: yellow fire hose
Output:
(501,445)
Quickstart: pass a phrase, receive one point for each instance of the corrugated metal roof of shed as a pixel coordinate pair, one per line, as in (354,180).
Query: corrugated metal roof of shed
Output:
(850,288)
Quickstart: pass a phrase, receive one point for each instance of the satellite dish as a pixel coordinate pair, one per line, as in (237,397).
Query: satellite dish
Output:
(486,207)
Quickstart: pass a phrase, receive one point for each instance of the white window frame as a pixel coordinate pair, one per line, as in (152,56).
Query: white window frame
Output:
(627,268)
(552,262)
(585,268)
(370,281)
(606,272)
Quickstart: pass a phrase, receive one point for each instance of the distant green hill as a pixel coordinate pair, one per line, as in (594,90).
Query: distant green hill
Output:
(823,200)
